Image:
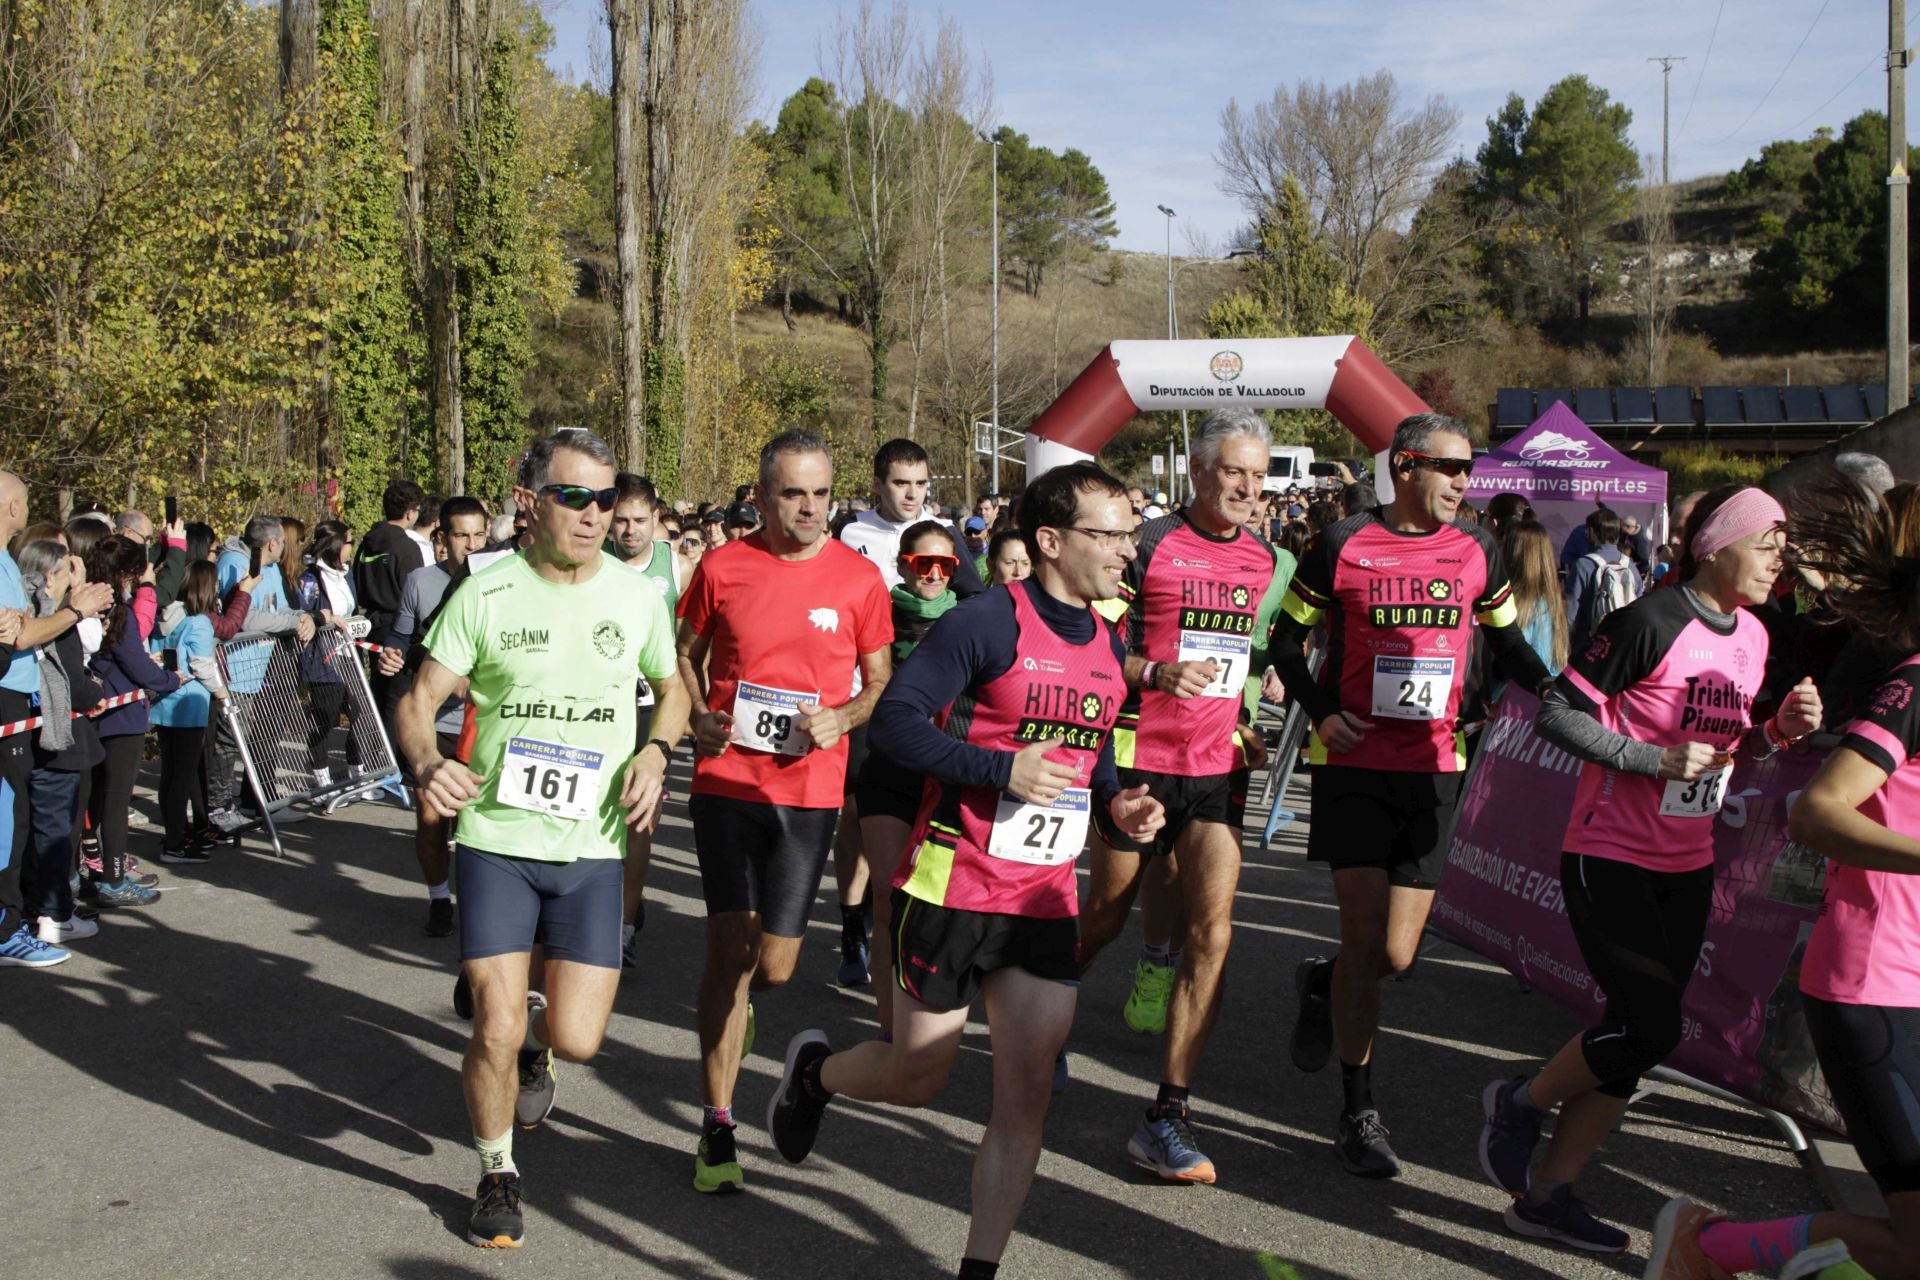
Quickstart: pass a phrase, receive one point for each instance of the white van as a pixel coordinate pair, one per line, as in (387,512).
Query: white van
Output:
(1288,465)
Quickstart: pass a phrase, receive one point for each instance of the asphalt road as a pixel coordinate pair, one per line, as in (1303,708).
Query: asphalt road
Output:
(259,1076)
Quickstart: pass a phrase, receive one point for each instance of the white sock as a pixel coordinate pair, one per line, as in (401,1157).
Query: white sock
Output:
(496,1154)
(438,892)
(536,1004)
(1160,953)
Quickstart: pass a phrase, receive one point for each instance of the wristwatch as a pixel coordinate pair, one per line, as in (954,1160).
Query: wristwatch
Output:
(666,748)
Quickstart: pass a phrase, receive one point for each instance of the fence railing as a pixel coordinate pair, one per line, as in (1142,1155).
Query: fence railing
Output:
(285,708)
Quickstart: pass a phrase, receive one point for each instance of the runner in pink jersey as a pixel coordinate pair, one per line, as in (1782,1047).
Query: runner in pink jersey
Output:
(1402,592)
(1007,708)
(1860,976)
(1193,589)
(1658,705)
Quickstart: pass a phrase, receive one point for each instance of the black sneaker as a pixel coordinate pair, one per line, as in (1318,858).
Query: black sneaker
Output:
(793,1117)
(497,1222)
(187,855)
(538,1088)
(439,918)
(1362,1144)
(1313,1024)
(1563,1216)
(463,996)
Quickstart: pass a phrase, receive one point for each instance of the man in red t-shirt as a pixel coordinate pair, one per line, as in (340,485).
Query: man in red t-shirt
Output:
(771,629)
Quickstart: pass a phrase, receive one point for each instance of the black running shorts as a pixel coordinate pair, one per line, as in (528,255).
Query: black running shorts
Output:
(572,909)
(856,756)
(1221,797)
(1401,823)
(1870,1055)
(765,858)
(942,955)
(888,790)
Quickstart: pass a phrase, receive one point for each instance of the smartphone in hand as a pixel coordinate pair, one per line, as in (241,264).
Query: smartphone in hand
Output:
(173,509)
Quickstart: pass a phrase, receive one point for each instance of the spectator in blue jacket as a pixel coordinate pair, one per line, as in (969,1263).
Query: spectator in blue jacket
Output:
(181,717)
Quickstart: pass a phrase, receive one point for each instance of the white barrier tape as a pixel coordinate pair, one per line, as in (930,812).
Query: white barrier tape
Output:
(106,705)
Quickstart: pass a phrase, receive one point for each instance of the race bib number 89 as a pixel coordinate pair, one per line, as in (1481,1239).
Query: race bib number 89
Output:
(546,777)
(1700,798)
(1043,835)
(1412,688)
(768,719)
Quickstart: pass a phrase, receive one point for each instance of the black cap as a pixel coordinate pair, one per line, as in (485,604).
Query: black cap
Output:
(741,515)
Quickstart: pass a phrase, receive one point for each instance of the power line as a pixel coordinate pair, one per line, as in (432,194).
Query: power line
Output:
(1878,59)
(1777,79)
(1711,37)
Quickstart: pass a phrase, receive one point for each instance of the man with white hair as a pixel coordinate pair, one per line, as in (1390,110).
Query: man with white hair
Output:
(1867,470)
(1192,592)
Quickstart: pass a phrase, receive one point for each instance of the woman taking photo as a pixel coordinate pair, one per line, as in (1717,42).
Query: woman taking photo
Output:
(122,666)
(1658,706)
(1860,976)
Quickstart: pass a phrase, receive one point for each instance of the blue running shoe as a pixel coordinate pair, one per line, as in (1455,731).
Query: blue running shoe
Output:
(1508,1137)
(1563,1216)
(124,893)
(26,951)
(1164,1144)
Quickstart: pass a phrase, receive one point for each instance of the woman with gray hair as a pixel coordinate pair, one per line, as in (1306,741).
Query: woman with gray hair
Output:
(64,750)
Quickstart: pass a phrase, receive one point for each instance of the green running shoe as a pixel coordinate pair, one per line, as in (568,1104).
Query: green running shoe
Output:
(716,1166)
(1146,1007)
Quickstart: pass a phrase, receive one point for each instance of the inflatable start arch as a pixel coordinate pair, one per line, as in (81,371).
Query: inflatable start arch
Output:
(1339,375)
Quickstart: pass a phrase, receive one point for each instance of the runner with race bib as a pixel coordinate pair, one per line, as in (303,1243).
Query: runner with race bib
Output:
(1400,589)
(1657,706)
(549,643)
(772,627)
(1006,709)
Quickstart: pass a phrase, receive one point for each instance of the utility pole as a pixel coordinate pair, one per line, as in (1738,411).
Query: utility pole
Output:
(996,311)
(1173,331)
(1666,104)
(1898,391)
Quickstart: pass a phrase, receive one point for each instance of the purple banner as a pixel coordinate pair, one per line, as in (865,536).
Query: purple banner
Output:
(1501,897)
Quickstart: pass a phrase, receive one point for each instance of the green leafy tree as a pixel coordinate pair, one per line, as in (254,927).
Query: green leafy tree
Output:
(374,413)
(1560,176)
(809,207)
(1826,267)
(493,270)
(1052,207)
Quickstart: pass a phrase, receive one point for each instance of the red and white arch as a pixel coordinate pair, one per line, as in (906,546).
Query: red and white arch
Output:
(1340,375)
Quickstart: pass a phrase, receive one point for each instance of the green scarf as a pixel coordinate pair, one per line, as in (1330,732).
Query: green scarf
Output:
(919,614)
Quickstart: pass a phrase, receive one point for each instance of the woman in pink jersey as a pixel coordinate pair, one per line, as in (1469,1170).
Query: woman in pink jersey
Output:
(1860,977)
(1658,706)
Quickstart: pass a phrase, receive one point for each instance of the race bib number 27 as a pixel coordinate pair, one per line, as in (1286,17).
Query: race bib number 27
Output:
(1228,653)
(1043,835)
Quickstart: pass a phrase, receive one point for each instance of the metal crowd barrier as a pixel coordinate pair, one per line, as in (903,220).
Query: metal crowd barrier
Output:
(1286,756)
(271,719)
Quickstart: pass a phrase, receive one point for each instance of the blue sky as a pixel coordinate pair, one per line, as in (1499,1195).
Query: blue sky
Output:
(1138,85)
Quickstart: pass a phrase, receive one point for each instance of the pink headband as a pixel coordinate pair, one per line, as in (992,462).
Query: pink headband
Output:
(1748,511)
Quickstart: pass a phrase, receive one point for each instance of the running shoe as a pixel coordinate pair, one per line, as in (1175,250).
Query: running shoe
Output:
(1165,1145)
(190,854)
(439,918)
(463,996)
(538,1087)
(72,929)
(497,1222)
(1563,1216)
(1362,1145)
(793,1117)
(1508,1137)
(629,947)
(130,873)
(28,952)
(123,893)
(1146,1007)
(1828,1260)
(854,957)
(1676,1254)
(1313,1025)
(716,1165)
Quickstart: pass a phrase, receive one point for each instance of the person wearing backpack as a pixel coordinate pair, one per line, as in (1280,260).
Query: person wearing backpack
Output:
(1601,580)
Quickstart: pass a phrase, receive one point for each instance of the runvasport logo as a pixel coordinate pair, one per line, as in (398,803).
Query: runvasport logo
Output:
(1556,446)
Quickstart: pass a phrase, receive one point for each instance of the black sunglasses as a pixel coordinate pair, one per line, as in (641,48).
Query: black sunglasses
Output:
(1445,466)
(577,497)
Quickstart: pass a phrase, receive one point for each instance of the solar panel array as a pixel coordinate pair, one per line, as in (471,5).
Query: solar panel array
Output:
(1717,406)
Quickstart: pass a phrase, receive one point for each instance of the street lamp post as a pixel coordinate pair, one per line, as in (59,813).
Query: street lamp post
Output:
(995,143)
(1173,331)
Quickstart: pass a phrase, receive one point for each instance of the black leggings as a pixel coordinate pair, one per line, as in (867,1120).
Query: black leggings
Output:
(183,781)
(328,699)
(113,797)
(1640,933)
(1871,1057)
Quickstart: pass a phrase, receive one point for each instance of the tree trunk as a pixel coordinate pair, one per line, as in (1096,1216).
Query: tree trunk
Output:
(628,184)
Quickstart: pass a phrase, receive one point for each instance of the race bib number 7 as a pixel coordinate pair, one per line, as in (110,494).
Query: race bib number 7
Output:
(546,777)
(1043,835)
(1700,798)
(768,719)
(1229,653)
